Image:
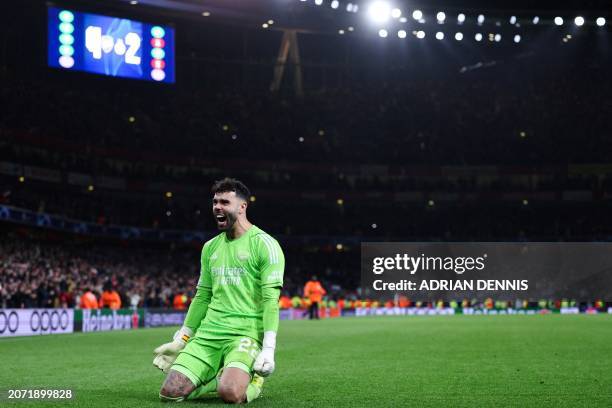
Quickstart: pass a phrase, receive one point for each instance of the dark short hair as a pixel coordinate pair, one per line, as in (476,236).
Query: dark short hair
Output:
(231,184)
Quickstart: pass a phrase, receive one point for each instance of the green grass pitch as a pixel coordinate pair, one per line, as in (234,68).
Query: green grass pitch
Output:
(443,361)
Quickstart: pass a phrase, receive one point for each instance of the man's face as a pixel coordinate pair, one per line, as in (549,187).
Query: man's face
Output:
(226,208)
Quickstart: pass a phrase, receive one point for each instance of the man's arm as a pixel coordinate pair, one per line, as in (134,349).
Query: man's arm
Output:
(272,270)
(166,354)
(198,308)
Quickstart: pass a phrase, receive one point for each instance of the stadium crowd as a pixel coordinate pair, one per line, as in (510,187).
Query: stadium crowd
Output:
(53,275)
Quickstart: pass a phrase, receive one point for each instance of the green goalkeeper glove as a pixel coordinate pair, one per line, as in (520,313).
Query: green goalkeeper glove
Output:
(166,354)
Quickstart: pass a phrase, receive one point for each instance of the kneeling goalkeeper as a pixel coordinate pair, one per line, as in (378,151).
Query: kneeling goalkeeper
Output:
(227,342)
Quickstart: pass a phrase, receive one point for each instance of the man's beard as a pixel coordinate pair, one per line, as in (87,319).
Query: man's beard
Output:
(230,219)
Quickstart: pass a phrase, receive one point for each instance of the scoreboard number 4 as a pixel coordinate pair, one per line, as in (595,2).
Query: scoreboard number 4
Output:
(96,43)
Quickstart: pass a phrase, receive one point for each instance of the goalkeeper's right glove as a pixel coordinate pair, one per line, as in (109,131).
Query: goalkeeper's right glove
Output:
(167,353)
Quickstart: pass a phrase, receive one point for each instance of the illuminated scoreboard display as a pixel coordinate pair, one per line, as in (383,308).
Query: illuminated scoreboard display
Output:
(110,46)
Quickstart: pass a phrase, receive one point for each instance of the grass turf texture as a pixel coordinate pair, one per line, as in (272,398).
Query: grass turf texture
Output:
(469,361)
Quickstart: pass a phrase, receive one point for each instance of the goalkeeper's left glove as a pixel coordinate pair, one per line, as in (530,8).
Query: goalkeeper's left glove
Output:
(264,363)
(166,354)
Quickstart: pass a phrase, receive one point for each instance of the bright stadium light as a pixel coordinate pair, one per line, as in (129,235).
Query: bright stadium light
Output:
(440,35)
(318,2)
(497,37)
(420,34)
(478,37)
(600,21)
(441,16)
(335,4)
(417,14)
(517,38)
(579,21)
(536,20)
(461,18)
(349,7)
(481,18)
(401,34)
(558,21)
(403,20)
(355,8)
(382,33)
(513,20)
(459,36)
(379,11)
(396,13)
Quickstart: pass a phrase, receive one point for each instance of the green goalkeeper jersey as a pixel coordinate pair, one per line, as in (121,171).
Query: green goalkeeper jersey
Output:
(237,271)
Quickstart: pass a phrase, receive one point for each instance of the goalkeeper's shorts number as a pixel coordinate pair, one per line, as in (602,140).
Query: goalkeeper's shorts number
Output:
(248,346)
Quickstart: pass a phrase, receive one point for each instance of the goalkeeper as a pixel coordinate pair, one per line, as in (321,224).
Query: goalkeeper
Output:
(227,342)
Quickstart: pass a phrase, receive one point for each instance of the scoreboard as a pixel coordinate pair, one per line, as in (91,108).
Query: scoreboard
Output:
(110,46)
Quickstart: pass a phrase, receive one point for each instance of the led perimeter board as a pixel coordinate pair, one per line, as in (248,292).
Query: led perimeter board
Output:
(110,46)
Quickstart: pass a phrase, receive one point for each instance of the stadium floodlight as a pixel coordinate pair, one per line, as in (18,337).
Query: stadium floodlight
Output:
(478,37)
(461,18)
(481,18)
(441,16)
(379,11)
(459,36)
(497,37)
(355,8)
(558,21)
(440,35)
(513,20)
(600,21)
(318,2)
(403,20)
(382,33)
(401,34)
(579,21)
(420,34)
(349,7)
(517,38)
(536,20)
(341,32)
(396,13)
(335,4)
(417,14)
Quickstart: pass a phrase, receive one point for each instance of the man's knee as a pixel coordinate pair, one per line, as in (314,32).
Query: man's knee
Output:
(176,387)
(231,393)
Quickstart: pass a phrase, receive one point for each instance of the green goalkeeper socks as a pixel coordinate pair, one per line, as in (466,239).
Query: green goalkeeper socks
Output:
(204,390)
(210,388)
(254,389)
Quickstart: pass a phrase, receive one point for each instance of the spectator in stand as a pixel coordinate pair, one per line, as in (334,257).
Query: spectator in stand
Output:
(110,298)
(180,301)
(88,300)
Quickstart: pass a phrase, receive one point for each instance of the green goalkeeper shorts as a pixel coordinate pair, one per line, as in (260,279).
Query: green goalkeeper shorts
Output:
(201,359)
